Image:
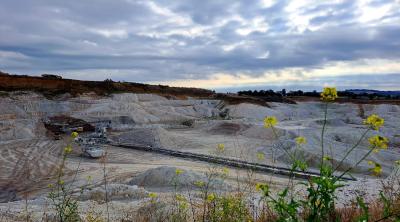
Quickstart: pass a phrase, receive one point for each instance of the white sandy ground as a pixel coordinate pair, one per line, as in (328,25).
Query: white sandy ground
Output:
(28,157)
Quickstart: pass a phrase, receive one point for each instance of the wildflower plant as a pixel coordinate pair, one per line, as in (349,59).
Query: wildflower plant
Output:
(374,121)
(60,194)
(221,148)
(270,121)
(319,203)
(329,94)
(260,156)
(301,140)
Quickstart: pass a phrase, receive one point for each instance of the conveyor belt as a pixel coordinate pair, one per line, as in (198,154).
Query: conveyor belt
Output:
(226,161)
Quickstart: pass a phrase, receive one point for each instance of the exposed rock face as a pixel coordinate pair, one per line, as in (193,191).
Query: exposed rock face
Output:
(22,114)
(154,120)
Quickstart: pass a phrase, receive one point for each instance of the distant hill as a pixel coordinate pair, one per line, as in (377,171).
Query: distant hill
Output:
(371,91)
(52,85)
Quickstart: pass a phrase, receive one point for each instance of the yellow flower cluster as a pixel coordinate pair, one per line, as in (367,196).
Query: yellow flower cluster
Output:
(327,158)
(180,197)
(221,147)
(153,195)
(210,197)
(377,169)
(378,142)
(374,121)
(178,171)
(74,134)
(262,187)
(225,171)
(329,94)
(68,149)
(270,121)
(199,183)
(301,140)
(260,156)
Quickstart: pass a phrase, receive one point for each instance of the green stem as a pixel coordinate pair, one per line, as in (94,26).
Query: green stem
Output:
(105,185)
(281,144)
(363,158)
(349,151)
(323,133)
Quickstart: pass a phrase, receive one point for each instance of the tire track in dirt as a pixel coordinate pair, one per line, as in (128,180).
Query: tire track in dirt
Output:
(35,163)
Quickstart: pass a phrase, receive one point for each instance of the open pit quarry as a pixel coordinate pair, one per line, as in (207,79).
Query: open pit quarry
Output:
(30,152)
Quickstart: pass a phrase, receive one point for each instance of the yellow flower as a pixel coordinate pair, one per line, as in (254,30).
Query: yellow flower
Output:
(329,94)
(377,169)
(262,187)
(397,162)
(89,178)
(68,149)
(61,182)
(258,186)
(183,205)
(370,162)
(270,121)
(378,142)
(199,183)
(178,171)
(374,121)
(260,156)
(301,140)
(74,134)
(375,150)
(153,195)
(221,147)
(225,171)
(210,197)
(50,186)
(180,197)
(327,158)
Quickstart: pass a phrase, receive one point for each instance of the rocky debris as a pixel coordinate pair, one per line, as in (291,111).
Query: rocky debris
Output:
(166,177)
(114,192)
(138,136)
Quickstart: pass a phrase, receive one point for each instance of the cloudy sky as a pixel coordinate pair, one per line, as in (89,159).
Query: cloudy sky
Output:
(215,44)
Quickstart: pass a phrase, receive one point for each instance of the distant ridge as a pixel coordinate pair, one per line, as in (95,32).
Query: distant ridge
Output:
(372,91)
(51,85)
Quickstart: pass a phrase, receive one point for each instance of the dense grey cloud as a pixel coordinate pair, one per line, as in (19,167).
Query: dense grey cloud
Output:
(159,41)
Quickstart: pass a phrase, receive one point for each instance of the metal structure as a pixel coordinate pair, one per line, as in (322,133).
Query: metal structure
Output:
(92,144)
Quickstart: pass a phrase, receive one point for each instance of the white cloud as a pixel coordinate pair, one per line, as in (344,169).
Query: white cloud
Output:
(369,13)
(111,33)
(257,24)
(369,67)
(11,55)
(264,55)
(267,3)
(230,47)
(213,42)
